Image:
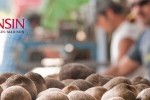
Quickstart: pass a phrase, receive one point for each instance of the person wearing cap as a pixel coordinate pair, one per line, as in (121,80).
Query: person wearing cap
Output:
(112,18)
(140,53)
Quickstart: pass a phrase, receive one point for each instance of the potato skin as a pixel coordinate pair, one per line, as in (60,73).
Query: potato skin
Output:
(75,71)
(96,92)
(115,81)
(121,90)
(80,95)
(144,94)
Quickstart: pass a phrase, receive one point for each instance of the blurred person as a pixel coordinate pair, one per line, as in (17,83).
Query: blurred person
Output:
(15,42)
(140,53)
(111,17)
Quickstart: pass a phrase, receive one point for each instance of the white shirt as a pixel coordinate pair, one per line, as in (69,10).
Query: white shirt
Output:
(125,30)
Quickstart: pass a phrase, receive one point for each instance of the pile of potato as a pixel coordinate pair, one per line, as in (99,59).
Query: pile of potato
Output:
(76,82)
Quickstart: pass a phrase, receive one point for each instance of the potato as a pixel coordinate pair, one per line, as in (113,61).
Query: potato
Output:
(67,81)
(140,80)
(38,81)
(75,71)
(70,88)
(97,80)
(140,87)
(82,84)
(20,80)
(53,95)
(115,81)
(144,95)
(116,98)
(15,93)
(5,76)
(80,95)
(49,90)
(123,90)
(96,92)
(52,83)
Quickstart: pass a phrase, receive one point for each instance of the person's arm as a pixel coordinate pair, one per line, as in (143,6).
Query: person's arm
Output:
(128,63)
(124,46)
(124,67)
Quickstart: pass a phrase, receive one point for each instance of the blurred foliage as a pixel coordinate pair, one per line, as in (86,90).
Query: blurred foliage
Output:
(56,10)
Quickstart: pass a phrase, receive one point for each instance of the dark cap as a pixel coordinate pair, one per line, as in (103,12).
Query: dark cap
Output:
(118,6)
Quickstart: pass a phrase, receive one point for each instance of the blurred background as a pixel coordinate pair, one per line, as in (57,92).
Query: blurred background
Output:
(67,34)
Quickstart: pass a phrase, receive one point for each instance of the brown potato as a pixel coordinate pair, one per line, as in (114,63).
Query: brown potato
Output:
(123,90)
(53,95)
(67,81)
(144,95)
(49,90)
(140,87)
(70,88)
(115,81)
(108,77)
(52,83)
(97,80)
(140,80)
(96,92)
(75,71)
(5,76)
(38,81)
(116,98)
(15,93)
(2,79)
(82,84)
(80,95)
(20,80)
